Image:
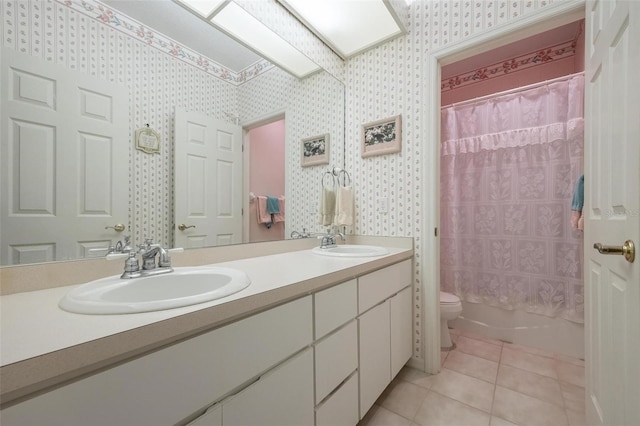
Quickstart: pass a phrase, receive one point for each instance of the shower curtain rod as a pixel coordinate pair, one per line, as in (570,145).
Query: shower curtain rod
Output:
(514,90)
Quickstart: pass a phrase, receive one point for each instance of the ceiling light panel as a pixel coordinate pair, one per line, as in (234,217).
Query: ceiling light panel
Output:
(203,8)
(348,26)
(245,28)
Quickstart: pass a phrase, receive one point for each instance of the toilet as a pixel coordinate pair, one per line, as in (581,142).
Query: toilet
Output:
(450,309)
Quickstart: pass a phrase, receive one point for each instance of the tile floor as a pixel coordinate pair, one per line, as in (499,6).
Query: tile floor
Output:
(486,382)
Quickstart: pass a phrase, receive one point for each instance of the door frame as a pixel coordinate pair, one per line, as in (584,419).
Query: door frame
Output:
(246,161)
(543,19)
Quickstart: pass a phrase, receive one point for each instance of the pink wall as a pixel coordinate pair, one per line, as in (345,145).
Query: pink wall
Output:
(563,61)
(266,175)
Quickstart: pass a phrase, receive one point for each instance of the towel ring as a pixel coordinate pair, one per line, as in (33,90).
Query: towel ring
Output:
(337,172)
(332,182)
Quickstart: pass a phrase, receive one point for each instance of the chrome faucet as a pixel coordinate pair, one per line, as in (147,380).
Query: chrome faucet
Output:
(148,252)
(329,240)
(303,234)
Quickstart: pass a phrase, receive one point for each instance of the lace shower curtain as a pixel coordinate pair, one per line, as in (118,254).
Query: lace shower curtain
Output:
(509,165)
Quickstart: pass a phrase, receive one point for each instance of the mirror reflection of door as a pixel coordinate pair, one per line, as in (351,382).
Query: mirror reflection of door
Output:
(266,178)
(208,181)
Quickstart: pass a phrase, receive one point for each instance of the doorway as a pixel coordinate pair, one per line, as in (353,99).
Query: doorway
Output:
(265,177)
(553,17)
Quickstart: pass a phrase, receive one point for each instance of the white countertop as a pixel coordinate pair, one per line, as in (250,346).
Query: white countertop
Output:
(32,324)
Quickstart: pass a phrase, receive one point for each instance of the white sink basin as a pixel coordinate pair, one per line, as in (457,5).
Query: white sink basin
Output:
(182,287)
(349,250)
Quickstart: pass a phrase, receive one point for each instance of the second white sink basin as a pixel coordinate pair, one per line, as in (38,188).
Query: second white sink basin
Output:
(351,250)
(182,287)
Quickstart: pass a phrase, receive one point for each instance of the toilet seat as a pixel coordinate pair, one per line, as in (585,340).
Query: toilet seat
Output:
(448,298)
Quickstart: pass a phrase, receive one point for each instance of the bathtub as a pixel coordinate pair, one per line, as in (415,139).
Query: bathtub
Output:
(537,331)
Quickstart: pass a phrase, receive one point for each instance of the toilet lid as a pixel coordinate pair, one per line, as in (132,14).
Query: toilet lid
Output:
(448,298)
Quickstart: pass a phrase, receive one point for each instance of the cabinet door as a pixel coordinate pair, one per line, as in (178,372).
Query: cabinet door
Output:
(401,330)
(281,397)
(375,355)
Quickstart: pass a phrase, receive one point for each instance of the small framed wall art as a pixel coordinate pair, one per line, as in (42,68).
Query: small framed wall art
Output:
(381,137)
(148,140)
(315,150)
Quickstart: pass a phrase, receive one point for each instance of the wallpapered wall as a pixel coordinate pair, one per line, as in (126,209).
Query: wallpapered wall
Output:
(387,81)
(382,82)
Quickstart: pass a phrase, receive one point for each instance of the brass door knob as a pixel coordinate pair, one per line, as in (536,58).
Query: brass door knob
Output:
(628,250)
(182,226)
(118,227)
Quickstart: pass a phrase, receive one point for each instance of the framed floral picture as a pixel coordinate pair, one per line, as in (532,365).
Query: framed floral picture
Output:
(381,137)
(315,150)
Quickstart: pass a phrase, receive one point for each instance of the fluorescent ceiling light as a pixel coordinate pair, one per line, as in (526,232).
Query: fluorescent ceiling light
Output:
(248,30)
(203,8)
(348,26)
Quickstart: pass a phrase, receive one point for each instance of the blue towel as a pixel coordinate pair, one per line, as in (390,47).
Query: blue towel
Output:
(273,205)
(578,195)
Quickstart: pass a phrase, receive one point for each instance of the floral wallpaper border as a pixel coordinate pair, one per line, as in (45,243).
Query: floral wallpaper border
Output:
(129,26)
(530,60)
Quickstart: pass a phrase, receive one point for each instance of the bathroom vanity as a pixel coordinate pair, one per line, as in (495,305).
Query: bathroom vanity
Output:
(312,343)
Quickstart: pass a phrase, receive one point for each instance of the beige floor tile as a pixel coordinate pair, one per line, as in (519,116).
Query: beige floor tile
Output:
(380,416)
(403,398)
(497,421)
(438,410)
(443,356)
(525,410)
(530,350)
(468,390)
(570,359)
(485,339)
(570,373)
(416,377)
(576,418)
(532,384)
(473,366)
(478,348)
(573,397)
(530,362)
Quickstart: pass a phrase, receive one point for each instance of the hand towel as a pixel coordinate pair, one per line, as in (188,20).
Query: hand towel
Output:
(261,212)
(577,203)
(327,207)
(279,217)
(273,205)
(345,206)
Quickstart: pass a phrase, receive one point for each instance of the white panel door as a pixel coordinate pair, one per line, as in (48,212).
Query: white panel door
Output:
(208,181)
(401,330)
(612,212)
(64,161)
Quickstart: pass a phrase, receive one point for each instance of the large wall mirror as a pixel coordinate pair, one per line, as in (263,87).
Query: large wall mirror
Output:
(80,79)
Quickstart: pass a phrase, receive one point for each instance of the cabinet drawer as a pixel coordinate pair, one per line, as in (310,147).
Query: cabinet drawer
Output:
(281,397)
(341,408)
(336,358)
(168,385)
(379,285)
(335,306)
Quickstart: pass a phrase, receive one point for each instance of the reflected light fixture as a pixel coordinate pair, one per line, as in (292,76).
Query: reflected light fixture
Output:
(239,24)
(349,27)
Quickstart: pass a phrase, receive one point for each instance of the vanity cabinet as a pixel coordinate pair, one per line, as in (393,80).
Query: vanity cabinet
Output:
(384,326)
(319,360)
(171,384)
